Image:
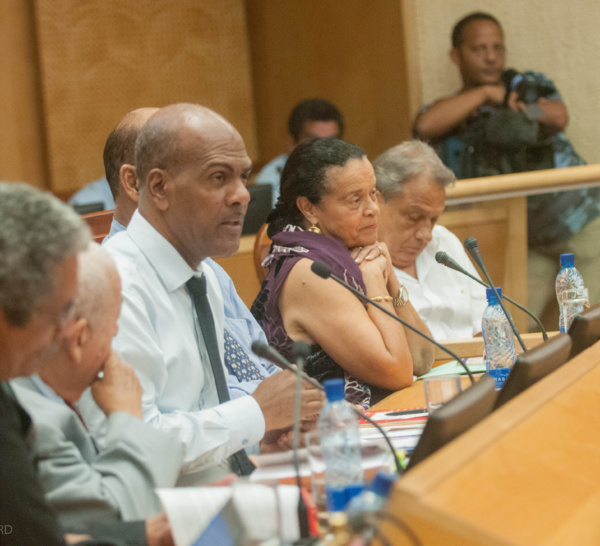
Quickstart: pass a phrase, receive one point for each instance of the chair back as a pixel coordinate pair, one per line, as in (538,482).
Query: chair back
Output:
(533,365)
(455,417)
(585,330)
(99,223)
(258,207)
(262,244)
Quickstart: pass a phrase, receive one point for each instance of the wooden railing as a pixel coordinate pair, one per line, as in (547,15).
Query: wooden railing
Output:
(520,184)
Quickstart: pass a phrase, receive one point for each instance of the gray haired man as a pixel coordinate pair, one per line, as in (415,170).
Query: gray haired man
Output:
(40,240)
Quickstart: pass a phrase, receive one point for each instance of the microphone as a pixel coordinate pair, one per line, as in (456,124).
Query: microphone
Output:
(320,269)
(472,247)
(300,350)
(263,350)
(444,258)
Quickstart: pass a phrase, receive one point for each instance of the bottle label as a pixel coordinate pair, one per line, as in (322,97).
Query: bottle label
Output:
(499,375)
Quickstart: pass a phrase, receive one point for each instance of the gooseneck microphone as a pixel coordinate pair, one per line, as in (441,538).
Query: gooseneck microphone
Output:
(300,350)
(472,247)
(320,269)
(444,258)
(263,350)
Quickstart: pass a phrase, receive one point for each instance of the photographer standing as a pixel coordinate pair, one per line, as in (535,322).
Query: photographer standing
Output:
(503,122)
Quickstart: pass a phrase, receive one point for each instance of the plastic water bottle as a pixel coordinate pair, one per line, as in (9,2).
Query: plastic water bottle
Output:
(498,339)
(568,278)
(363,509)
(340,444)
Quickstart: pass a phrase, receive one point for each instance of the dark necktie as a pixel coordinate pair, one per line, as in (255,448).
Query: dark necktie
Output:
(197,287)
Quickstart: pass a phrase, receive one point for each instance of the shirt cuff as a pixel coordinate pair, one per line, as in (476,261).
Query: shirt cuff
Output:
(245,420)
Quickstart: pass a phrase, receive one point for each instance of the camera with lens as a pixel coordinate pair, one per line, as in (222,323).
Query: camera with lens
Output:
(529,90)
(527,86)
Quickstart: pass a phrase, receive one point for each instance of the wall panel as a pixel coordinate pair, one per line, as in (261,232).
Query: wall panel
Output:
(100,60)
(347,51)
(21,131)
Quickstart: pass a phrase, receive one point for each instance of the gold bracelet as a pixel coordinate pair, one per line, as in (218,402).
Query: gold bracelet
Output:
(383,298)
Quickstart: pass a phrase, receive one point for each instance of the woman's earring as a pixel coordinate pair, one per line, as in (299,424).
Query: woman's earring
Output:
(314,229)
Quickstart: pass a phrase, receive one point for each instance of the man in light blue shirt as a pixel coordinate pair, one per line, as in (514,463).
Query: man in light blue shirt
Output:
(192,168)
(120,171)
(311,118)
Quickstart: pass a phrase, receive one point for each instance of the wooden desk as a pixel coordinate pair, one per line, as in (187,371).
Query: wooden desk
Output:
(528,474)
(414,396)
(466,348)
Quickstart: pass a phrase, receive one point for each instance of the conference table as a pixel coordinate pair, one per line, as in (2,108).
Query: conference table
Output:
(528,474)
(414,396)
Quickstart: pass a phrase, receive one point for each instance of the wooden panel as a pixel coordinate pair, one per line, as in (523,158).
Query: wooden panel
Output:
(346,51)
(99,223)
(528,474)
(100,60)
(500,227)
(22,154)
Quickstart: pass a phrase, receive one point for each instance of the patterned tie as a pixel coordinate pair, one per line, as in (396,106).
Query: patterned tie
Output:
(197,286)
(237,361)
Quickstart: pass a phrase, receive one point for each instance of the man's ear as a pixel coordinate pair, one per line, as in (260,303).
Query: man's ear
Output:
(157,183)
(77,339)
(128,182)
(291,143)
(455,56)
(307,209)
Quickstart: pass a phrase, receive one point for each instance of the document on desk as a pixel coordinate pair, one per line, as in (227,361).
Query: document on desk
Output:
(475,365)
(265,512)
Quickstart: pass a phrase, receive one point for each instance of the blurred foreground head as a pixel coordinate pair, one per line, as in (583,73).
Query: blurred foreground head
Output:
(40,238)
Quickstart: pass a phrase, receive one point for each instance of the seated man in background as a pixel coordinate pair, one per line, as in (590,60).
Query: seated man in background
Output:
(310,118)
(113,188)
(40,238)
(118,157)
(411,180)
(501,122)
(97,194)
(192,168)
(85,484)
(241,329)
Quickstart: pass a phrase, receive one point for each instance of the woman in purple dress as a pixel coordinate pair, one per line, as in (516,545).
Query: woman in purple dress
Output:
(327,211)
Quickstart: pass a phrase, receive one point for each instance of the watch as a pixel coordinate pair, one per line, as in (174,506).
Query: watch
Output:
(402,298)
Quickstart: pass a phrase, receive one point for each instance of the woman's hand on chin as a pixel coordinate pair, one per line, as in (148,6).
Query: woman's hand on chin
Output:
(369,253)
(376,252)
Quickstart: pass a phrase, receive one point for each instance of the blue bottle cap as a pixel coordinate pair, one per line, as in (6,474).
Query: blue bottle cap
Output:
(489,294)
(382,483)
(567,260)
(334,389)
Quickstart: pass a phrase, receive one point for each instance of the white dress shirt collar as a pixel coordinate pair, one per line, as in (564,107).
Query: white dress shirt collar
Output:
(169,265)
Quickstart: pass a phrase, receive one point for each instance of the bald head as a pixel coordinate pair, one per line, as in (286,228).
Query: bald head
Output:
(192,169)
(163,144)
(119,149)
(99,287)
(88,345)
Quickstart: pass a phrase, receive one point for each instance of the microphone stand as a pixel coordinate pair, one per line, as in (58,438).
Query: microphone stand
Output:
(444,258)
(300,350)
(472,247)
(263,350)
